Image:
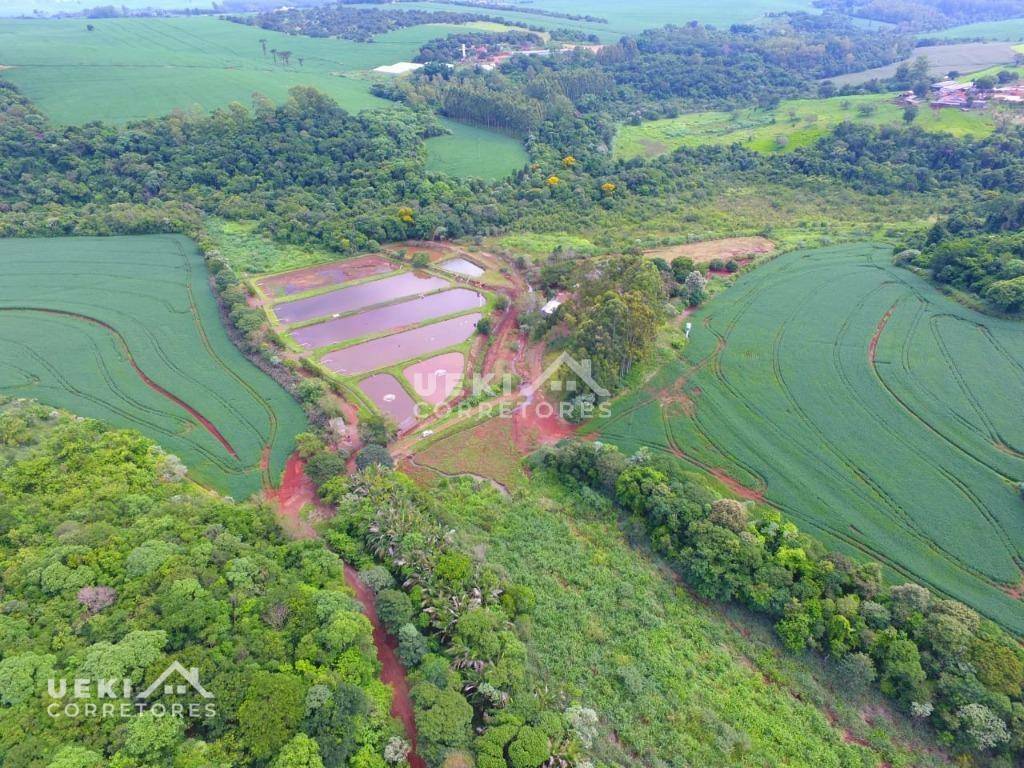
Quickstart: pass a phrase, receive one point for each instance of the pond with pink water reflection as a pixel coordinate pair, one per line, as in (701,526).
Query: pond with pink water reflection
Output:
(435,378)
(358,297)
(387,318)
(380,353)
(393,401)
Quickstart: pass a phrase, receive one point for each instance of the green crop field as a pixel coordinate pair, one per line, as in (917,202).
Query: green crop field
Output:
(125,329)
(799,121)
(135,68)
(1008,29)
(130,69)
(962,57)
(909,452)
(634,17)
(472,151)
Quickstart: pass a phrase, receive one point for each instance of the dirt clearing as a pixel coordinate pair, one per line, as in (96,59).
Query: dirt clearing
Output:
(709,250)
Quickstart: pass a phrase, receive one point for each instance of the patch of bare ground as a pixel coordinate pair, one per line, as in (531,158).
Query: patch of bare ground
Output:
(709,250)
(1016,591)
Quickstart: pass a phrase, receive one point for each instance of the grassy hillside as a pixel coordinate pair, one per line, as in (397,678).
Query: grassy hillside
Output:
(962,57)
(873,410)
(126,330)
(794,123)
(673,682)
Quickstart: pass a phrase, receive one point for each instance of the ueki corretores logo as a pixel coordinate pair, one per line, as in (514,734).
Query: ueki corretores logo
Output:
(113,697)
(569,381)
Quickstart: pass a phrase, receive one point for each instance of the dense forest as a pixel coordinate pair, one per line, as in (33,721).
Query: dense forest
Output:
(981,252)
(114,566)
(360,24)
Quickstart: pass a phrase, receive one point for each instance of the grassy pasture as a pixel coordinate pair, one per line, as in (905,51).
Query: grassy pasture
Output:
(908,453)
(800,121)
(250,252)
(76,313)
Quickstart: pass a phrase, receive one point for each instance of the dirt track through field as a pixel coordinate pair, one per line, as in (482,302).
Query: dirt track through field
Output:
(207,424)
(297,492)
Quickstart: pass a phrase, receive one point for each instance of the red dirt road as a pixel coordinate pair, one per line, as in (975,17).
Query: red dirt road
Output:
(298,491)
(392,671)
(873,344)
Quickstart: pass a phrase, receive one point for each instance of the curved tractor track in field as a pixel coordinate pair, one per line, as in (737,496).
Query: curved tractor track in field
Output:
(272,419)
(208,425)
(861,403)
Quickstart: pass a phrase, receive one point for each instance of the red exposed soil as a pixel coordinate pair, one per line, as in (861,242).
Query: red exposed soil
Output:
(873,344)
(392,672)
(501,341)
(538,423)
(708,250)
(207,424)
(1016,591)
(298,491)
(295,492)
(735,486)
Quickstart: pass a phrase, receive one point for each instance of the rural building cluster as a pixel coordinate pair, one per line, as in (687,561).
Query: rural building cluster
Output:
(953,94)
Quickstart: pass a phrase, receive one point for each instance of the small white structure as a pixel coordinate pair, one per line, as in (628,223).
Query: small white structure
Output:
(550,307)
(399,68)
